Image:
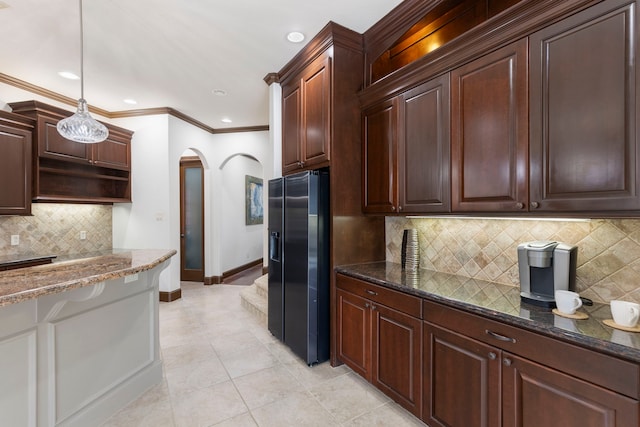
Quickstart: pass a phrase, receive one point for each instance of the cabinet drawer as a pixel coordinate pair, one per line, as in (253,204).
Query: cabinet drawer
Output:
(607,371)
(405,303)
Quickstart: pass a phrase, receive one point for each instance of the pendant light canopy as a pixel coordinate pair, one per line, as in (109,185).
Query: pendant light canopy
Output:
(81,127)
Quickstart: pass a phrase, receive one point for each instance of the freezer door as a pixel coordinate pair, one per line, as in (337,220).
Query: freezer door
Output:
(275,289)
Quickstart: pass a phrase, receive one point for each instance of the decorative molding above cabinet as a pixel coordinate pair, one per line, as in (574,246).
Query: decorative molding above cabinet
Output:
(67,171)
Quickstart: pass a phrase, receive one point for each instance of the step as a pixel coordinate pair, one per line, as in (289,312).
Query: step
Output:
(262,285)
(254,302)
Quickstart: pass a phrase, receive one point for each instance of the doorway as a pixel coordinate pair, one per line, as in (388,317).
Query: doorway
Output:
(191,219)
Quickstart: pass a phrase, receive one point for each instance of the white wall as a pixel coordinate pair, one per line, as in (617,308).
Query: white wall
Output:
(243,243)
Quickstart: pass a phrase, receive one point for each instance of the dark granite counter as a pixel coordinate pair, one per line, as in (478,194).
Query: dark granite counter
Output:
(76,271)
(502,303)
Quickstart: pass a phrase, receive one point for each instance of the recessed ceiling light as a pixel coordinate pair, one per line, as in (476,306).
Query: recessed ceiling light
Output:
(295,37)
(219,92)
(226,120)
(130,101)
(68,75)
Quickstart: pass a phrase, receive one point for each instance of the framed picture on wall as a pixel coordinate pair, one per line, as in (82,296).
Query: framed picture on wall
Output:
(253,200)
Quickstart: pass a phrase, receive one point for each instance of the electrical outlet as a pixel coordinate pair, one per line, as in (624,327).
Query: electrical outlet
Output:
(83,235)
(15,239)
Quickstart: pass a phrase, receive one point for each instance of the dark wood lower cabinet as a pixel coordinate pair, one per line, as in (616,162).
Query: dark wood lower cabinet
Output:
(397,356)
(534,395)
(461,380)
(382,344)
(468,383)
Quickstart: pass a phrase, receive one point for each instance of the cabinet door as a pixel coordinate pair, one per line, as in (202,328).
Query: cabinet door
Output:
(397,356)
(423,149)
(354,332)
(15,171)
(584,140)
(316,93)
(535,395)
(112,153)
(53,146)
(291,127)
(379,158)
(489,148)
(461,380)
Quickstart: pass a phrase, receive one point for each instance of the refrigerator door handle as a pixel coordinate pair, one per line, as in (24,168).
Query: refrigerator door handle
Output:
(274,246)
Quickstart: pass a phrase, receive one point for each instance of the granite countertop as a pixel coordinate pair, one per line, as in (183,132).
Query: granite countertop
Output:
(502,303)
(76,271)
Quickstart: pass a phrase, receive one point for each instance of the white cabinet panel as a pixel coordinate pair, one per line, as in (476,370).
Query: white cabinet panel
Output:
(18,375)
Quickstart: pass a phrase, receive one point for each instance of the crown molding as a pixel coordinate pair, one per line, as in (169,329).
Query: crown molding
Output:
(38,90)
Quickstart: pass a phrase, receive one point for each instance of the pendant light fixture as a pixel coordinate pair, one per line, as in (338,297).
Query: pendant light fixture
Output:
(81,127)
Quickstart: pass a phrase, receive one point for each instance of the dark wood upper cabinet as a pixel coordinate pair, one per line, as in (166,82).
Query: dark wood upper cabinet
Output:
(306,108)
(15,164)
(584,136)
(406,151)
(380,194)
(68,171)
(424,148)
(489,137)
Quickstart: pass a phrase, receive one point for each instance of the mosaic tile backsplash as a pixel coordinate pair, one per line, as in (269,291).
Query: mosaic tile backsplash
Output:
(486,249)
(54,229)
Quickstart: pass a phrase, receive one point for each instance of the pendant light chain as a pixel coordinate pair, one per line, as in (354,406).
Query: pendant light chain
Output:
(81,53)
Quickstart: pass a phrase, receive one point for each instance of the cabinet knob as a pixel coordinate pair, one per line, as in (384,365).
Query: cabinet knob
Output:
(492,355)
(399,208)
(393,208)
(366,305)
(535,205)
(520,205)
(373,307)
(507,362)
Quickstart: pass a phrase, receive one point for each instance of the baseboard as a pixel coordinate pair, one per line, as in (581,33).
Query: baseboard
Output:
(240,269)
(265,269)
(212,280)
(170,296)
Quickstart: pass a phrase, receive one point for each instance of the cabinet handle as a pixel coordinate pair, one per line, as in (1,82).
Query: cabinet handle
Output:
(499,337)
(507,362)
(520,205)
(370,292)
(366,305)
(393,208)
(373,307)
(399,208)
(492,355)
(535,205)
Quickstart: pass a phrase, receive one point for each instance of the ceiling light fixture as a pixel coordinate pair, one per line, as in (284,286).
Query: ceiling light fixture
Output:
(226,120)
(295,37)
(81,127)
(130,101)
(219,92)
(68,75)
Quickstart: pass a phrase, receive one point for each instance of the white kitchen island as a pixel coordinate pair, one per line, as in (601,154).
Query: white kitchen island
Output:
(79,339)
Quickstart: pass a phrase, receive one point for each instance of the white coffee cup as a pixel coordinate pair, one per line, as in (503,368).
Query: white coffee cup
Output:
(625,313)
(567,302)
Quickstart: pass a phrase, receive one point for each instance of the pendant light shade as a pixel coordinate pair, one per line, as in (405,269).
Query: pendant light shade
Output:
(81,127)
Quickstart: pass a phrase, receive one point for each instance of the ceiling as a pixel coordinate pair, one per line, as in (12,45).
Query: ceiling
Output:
(169,53)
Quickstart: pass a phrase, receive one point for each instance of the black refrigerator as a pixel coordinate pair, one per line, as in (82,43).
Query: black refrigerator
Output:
(298,293)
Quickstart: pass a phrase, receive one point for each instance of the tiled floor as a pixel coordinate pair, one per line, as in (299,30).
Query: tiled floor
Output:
(223,368)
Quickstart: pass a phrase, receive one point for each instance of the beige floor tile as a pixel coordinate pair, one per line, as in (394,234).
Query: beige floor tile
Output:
(348,396)
(228,344)
(313,376)
(266,386)
(152,409)
(207,406)
(386,415)
(194,349)
(294,411)
(243,420)
(192,376)
(247,361)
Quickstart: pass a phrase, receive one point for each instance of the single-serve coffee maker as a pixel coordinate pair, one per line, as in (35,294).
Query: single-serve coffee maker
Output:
(545,267)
